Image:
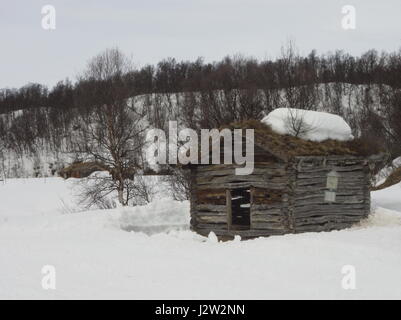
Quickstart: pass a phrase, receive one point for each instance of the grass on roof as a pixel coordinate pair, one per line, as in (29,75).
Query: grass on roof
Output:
(290,146)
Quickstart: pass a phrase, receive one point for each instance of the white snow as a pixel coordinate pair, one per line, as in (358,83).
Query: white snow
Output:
(309,125)
(96,257)
(389,198)
(383,174)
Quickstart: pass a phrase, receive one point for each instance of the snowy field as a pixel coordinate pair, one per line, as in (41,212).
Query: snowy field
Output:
(148,252)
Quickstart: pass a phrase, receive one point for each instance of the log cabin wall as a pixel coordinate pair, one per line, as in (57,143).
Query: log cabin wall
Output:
(210,202)
(311,211)
(289,193)
(286,197)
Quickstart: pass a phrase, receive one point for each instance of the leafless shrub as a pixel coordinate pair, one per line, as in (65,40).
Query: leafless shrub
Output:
(143,190)
(180,183)
(296,124)
(96,192)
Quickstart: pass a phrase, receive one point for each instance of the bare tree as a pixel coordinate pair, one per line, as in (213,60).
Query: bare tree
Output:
(180,183)
(112,131)
(143,190)
(296,124)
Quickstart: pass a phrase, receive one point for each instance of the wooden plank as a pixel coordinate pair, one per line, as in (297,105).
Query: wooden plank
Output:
(211,213)
(229,210)
(211,207)
(231,171)
(267,218)
(267,207)
(268,226)
(212,219)
(270,212)
(232,185)
(237,178)
(325,219)
(326,169)
(261,165)
(325,227)
(338,211)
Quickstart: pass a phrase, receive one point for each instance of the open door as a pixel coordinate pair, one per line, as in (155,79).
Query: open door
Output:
(239,209)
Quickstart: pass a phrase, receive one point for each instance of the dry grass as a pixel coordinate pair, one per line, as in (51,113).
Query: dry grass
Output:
(81,169)
(290,146)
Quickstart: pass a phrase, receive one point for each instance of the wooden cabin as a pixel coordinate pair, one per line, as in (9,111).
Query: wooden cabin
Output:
(296,186)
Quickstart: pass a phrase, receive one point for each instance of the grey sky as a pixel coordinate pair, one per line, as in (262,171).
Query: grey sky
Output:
(185,29)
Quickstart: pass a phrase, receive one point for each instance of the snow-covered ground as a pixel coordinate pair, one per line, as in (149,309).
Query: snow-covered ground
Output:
(148,252)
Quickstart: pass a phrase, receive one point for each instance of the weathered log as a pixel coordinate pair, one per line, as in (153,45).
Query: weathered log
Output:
(232,185)
(211,219)
(268,225)
(211,207)
(245,178)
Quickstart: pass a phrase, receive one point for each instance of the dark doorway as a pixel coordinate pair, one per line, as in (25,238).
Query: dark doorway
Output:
(241,209)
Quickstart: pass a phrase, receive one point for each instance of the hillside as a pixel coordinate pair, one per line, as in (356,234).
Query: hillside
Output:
(29,152)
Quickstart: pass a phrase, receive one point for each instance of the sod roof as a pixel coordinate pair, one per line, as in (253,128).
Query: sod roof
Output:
(287,146)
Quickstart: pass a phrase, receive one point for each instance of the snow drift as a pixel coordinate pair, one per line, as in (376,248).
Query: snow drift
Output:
(309,125)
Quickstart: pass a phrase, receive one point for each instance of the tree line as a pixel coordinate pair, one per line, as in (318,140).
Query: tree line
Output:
(238,72)
(94,115)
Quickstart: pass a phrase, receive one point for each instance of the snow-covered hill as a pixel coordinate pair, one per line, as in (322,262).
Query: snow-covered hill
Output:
(148,252)
(344,99)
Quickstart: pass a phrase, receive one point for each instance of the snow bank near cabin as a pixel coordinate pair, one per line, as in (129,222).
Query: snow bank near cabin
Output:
(162,215)
(44,200)
(389,198)
(311,125)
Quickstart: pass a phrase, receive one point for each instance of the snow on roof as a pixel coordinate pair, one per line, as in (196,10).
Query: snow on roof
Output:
(308,125)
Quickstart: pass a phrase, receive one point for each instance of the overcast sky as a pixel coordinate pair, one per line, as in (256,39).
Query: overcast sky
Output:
(185,29)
